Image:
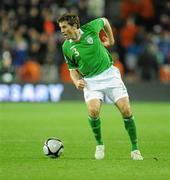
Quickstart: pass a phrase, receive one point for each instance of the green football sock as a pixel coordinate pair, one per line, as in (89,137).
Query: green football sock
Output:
(95,124)
(131,129)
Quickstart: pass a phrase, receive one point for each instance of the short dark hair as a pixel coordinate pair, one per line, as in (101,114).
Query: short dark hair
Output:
(70,18)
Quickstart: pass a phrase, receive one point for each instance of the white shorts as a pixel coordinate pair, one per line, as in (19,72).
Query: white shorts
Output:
(107,85)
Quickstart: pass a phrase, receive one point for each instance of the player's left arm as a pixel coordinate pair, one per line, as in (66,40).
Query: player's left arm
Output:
(108,30)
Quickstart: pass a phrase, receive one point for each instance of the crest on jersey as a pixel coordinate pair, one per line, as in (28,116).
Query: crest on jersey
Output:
(89,40)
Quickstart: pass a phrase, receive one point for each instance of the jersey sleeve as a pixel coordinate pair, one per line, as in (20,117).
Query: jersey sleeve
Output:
(97,25)
(69,60)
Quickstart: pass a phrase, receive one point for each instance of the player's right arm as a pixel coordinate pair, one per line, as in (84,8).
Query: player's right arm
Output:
(72,66)
(77,80)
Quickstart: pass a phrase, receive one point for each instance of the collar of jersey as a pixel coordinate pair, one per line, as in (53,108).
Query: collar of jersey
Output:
(81,32)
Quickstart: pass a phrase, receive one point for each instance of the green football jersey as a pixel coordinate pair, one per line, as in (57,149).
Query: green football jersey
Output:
(88,55)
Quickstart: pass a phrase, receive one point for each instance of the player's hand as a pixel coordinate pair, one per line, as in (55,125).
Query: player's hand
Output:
(105,41)
(80,84)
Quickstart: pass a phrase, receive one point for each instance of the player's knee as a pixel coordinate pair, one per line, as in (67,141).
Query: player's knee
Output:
(93,112)
(126,111)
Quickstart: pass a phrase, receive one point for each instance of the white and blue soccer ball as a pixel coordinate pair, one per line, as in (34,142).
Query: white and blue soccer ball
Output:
(53,147)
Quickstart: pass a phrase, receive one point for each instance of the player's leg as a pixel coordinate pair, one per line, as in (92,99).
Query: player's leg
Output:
(94,102)
(125,109)
(118,93)
(94,106)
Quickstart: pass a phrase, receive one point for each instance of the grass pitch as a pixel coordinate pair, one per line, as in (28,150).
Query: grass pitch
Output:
(25,126)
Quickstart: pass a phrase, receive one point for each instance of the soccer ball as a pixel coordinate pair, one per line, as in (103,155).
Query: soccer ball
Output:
(53,147)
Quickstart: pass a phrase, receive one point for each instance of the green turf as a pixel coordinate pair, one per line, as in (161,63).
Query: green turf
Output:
(25,126)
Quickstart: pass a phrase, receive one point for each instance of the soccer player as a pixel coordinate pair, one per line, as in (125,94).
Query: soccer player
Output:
(91,70)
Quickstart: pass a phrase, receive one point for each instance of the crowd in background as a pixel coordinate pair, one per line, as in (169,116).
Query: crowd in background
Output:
(30,48)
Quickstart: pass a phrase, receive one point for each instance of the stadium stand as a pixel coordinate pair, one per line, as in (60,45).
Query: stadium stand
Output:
(30,32)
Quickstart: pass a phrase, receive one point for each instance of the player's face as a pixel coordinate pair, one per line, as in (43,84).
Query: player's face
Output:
(68,31)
